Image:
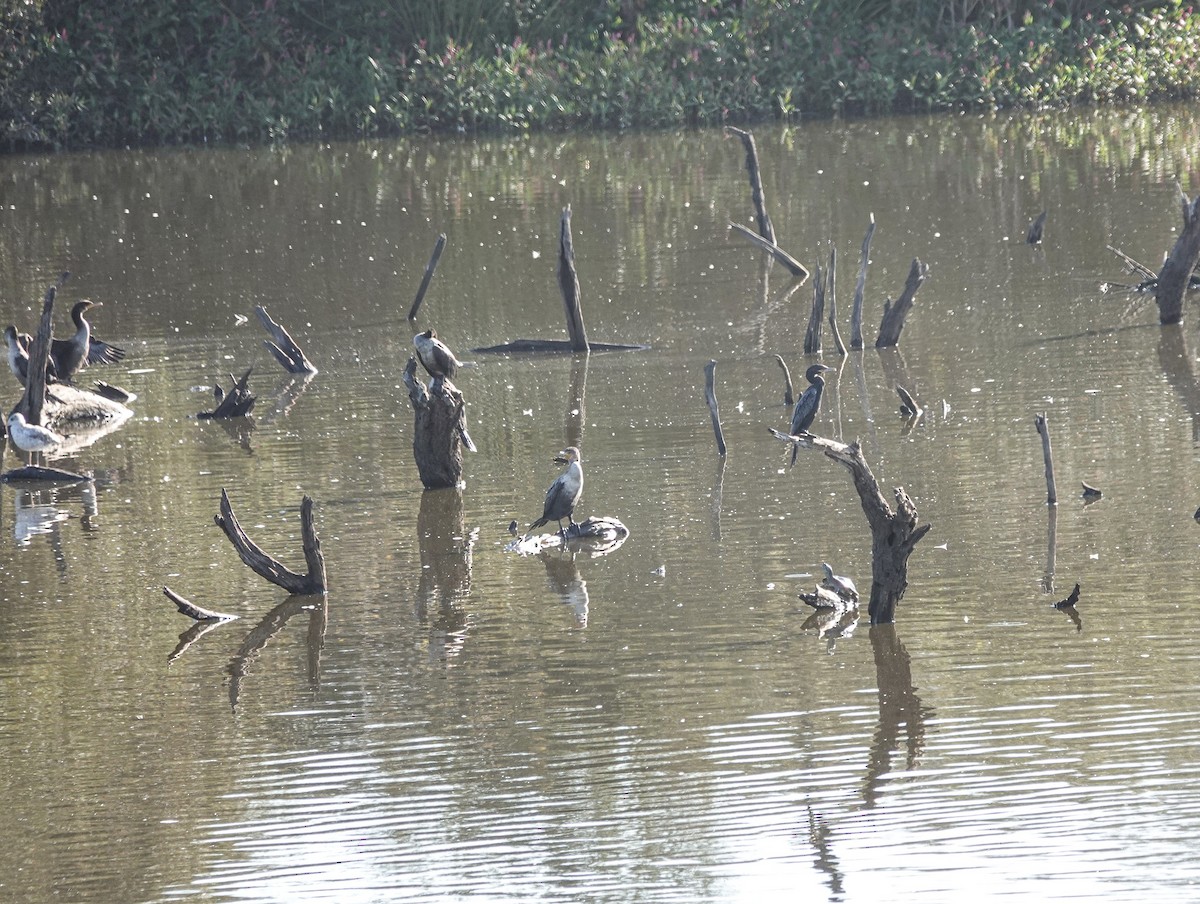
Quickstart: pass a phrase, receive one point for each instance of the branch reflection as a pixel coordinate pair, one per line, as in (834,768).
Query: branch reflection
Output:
(272,623)
(899,706)
(446,554)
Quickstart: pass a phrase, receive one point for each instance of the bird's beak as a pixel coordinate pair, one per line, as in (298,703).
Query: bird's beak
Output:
(561,457)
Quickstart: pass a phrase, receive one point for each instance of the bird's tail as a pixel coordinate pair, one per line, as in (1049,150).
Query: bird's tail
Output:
(539,523)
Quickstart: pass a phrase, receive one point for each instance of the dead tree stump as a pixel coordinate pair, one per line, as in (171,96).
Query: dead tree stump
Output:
(765,229)
(1176,272)
(439,429)
(270,569)
(856,309)
(894,313)
(282,346)
(894,532)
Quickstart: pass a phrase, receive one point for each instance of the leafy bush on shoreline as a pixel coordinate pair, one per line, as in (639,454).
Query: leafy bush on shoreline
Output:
(112,73)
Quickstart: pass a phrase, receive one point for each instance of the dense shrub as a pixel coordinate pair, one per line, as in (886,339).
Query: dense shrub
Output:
(113,72)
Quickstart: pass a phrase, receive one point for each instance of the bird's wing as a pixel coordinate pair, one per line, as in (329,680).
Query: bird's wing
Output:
(806,407)
(554,494)
(101,352)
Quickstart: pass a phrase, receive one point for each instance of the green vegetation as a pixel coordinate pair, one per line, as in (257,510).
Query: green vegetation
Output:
(118,72)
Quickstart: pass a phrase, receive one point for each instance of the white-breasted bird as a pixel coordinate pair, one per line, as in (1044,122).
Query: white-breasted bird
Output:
(842,586)
(31,437)
(564,493)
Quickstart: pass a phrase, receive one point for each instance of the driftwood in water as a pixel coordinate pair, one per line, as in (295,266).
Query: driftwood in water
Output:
(238,402)
(1034,235)
(39,360)
(710,396)
(1175,276)
(908,405)
(596,535)
(438,248)
(856,310)
(265,566)
(568,283)
(831,299)
(796,268)
(191,610)
(765,229)
(894,532)
(289,355)
(895,312)
(439,429)
(812,334)
(1043,428)
(41,475)
(789,391)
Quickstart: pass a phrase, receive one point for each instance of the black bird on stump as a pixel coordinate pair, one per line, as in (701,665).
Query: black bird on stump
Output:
(808,404)
(69,356)
(564,493)
(435,356)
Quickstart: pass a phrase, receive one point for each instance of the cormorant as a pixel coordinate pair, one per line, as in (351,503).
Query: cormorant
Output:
(435,356)
(808,403)
(31,437)
(843,587)
(69,356)
(18,354)
(564,493)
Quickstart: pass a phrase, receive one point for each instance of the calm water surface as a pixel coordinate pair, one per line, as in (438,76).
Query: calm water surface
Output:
(664,723)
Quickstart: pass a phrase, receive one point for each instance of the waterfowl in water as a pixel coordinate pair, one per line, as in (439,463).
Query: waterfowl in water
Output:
(842,586)
(435,356)
(69,356)
(31,437)
(564,493)
(808,404)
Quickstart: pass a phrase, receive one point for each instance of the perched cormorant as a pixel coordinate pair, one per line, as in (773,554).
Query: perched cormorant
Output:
(435,356)
(69,356)
(564,493)
(808,403)
(843,587)
(31,437)
(18,354)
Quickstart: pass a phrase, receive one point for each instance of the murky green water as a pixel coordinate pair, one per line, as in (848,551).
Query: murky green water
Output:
(664,723)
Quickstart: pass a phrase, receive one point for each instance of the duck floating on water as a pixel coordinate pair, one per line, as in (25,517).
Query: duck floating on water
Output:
(563,495)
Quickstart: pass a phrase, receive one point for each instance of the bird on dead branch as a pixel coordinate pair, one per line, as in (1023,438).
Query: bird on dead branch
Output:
(69,356)
(808,404)
(435,356)
(563,495)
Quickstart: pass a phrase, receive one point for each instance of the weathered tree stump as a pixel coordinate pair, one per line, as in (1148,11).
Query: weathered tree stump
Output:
(438,247)
(812,334)
(765,229)
(237,402)
(1043,429)
(894,313)
(1036,228)
(439,429)
(856,310)
(894,532)
(282,346)
(710,396)
(266,567)
(568,284)
(1175,275)
(789,391)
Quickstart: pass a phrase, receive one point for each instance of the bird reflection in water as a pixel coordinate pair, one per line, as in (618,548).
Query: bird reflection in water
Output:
(563,576)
